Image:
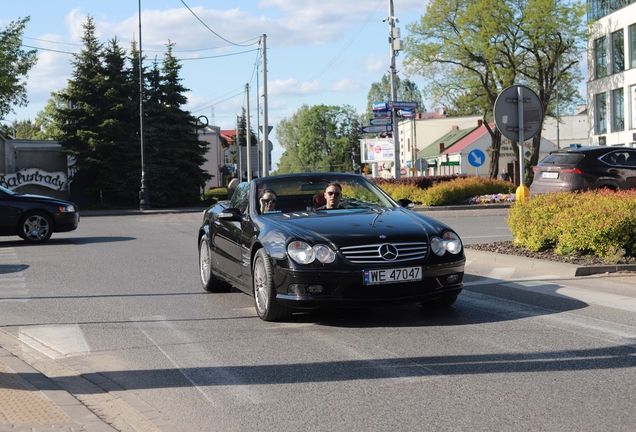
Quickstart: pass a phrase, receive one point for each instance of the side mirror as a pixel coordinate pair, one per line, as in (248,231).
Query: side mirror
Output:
(406,203)
(230,214)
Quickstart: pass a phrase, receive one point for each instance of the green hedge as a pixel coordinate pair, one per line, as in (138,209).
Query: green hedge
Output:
(600,223)
(444,190)
(213,196)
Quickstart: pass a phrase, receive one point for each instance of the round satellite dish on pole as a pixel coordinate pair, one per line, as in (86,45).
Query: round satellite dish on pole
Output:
(507,113)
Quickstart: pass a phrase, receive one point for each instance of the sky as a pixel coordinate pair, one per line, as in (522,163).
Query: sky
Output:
(318,51)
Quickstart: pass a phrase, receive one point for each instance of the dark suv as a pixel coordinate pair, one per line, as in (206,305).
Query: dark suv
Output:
(583,168)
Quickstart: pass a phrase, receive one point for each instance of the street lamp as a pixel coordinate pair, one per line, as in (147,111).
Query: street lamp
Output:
(557,98)
(144,203)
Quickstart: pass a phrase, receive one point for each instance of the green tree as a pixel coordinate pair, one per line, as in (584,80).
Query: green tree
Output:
(175,153)
(406,90)
(470,50)
(242,122)
(15,64)
(81,118)
(47,119)
(23,129)
(26,129)
(319,138)
(119,149)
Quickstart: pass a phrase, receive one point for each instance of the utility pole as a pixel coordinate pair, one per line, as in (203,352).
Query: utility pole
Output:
(248,138)
(265,121)
(144,203)
(238,150)
(394,34)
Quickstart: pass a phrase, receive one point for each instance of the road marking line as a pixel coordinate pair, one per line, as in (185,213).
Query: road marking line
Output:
(190,351)
(55,341)
(12,281)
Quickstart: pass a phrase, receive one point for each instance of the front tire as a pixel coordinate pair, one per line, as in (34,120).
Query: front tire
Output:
(35,227)
(264,293)
(209,282)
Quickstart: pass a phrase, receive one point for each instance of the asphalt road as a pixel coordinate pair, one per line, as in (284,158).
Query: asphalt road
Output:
(119,300)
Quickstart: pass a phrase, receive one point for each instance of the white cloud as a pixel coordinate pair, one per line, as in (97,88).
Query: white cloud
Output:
(346,85)
(374,63)
(289,87)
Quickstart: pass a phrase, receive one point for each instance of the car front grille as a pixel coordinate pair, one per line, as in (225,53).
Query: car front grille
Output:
(382,253)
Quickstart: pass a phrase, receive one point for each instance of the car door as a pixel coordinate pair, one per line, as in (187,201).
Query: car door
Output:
(9,213)
(227,235)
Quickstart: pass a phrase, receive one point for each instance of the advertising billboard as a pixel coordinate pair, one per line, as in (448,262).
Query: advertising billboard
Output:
(377,150)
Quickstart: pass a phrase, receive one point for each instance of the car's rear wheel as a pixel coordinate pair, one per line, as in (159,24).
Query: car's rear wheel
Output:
(441,302)
(264,293)
(208,280)
(35,227)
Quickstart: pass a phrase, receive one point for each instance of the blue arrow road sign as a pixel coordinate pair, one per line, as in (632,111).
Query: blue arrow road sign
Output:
(476,158)
(381,121)
(377,129)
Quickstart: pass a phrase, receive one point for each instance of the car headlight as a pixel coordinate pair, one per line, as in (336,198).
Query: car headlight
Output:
(449,242)
(452,242)
(67,209)
(324,254)
(303,253)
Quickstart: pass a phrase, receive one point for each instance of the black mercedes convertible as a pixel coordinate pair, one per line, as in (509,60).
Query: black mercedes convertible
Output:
(297,254)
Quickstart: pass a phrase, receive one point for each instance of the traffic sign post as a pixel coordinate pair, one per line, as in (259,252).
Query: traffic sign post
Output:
(476,158)
(421,164)
(519,116)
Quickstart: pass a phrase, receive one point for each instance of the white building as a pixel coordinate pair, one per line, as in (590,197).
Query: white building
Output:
(572,129)
(611,87)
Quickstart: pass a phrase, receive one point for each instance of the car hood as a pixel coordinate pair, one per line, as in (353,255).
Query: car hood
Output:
(353,227)
(42,199)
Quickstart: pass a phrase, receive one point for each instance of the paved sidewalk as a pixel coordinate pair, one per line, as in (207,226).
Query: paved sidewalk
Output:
(30,401)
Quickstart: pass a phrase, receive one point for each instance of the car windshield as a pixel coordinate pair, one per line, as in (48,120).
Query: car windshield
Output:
(306,193)
(563,159)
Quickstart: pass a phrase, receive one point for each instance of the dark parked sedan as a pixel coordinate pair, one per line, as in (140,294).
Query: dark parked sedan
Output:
(583,168)
(370,251)
(35,217)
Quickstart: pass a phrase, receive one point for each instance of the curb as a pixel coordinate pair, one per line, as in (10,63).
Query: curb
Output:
(556,268)
(126,212)
(460,207)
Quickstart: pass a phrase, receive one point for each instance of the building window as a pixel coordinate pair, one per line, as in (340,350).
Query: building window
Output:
(601,113)
(618,52)
(600,56)
(618,110)
(632,45)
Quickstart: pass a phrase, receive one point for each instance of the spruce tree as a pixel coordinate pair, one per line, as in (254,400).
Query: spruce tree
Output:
(119,152)
(175,153)
(80,119)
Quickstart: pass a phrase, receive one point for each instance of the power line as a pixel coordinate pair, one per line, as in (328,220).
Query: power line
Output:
(218,56)
(46,49)
(315,77)
(215,33)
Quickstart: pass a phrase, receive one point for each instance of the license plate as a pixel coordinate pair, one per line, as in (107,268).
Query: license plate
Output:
(551,175)
(406,274)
